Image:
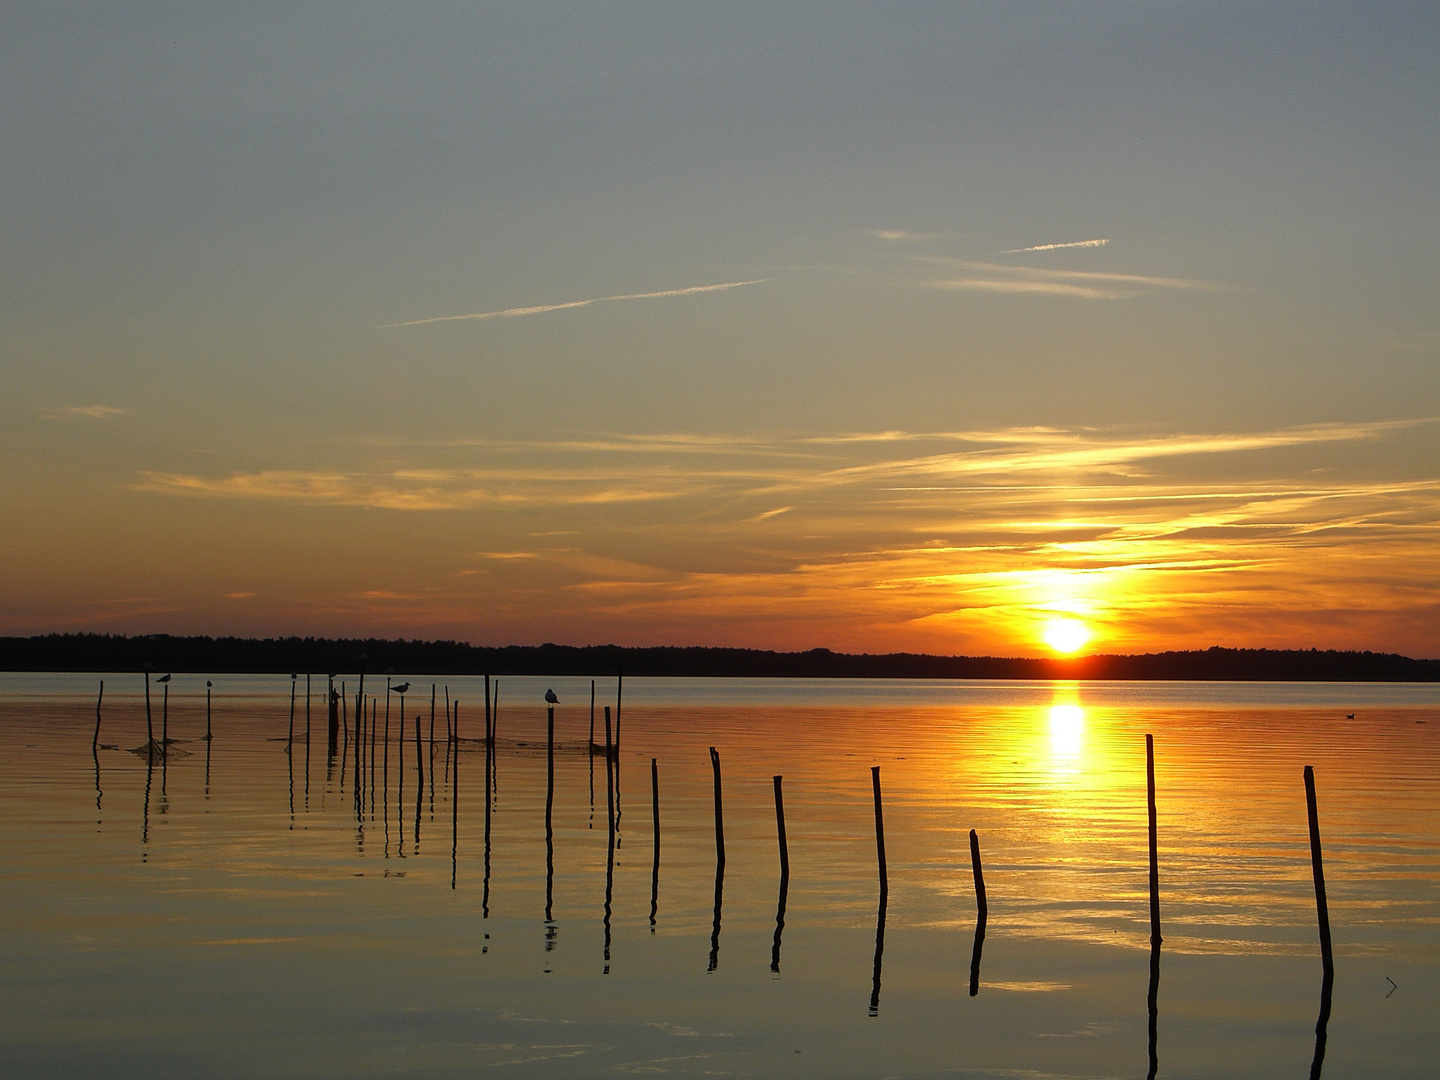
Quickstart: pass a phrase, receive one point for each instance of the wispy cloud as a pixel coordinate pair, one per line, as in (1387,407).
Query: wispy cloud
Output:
(899,236)
(540,309)
(949,540)
(1083,284)
(88,412)
(1010,285)
(1056,247)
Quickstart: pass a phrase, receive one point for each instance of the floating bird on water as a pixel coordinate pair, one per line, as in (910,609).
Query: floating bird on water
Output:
(551,698)
(1349,716)
(402,688)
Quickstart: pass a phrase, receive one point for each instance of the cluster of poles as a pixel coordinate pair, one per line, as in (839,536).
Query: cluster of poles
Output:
(371,727)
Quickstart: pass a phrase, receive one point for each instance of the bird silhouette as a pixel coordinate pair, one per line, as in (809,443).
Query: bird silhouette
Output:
(404,686)
(163,678)
(209,683)
(551,698)
(1349,716)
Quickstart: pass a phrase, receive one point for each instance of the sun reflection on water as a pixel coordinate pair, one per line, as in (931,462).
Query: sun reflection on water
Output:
(1067,734)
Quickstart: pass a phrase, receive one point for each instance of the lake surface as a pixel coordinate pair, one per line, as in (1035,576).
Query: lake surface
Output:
(228,908)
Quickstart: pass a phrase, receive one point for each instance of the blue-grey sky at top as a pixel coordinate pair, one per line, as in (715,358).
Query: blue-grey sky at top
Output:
(212,215)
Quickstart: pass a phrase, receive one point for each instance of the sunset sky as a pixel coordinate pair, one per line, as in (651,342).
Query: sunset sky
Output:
(991,328)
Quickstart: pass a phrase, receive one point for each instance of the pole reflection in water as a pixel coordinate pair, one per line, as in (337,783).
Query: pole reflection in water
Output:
(420,780)
(145,812)
(290,777)
(784,878)
(1152,1001)
(879,954)
(1327,985)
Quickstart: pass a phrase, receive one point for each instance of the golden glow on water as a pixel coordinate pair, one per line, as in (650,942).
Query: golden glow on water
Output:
(1067,733)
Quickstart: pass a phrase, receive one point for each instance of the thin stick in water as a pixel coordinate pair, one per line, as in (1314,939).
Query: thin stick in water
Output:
(655,820)
(1317,868)
(879,833)
(1154,849)
(95,742)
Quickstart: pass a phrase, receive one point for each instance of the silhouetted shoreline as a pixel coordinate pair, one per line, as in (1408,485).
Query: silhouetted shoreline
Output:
(104,652)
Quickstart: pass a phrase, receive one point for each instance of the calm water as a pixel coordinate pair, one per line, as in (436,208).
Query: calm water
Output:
(227,911)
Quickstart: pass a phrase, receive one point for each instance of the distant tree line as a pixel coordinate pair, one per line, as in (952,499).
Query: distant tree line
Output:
(107,652)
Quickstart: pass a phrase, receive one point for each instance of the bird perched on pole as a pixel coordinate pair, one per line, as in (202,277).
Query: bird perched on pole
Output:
(402,688)
(551,698)
(163,678)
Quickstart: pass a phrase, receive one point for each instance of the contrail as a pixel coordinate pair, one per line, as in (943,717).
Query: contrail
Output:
(510,313)
(1056,247)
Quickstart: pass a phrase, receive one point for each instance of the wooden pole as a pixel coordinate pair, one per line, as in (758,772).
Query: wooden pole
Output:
(719,816)
(879,834)
(489,721)
(290,738)
(549,809)
(165,721)
(449,736)
(654,818)
(980,905)
(780,829)
(207,710)
(432,720)
(495,714)
(549,769)
(1155,938)
(592,713)
(95,742)
(149,724)
(307,709)
(455,801)
(1317,868)
(619,690)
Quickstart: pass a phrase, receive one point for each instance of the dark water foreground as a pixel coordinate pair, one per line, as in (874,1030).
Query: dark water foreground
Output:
(227,909)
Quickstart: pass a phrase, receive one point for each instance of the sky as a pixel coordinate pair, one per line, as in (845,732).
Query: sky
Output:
(963,328)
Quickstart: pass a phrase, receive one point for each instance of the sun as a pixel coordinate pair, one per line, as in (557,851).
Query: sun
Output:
(1066,635)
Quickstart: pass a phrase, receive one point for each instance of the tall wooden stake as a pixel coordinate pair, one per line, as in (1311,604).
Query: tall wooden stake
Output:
(880,834)
(95,742)
(1317,868)
(1154,846)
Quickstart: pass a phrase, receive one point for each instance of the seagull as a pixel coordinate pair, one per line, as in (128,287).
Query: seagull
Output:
(551,698)
(163,678)
(404,686)
(209,683)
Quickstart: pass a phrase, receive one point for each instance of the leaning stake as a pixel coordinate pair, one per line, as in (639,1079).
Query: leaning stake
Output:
(1317,866)
(879,834)
(980,905)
